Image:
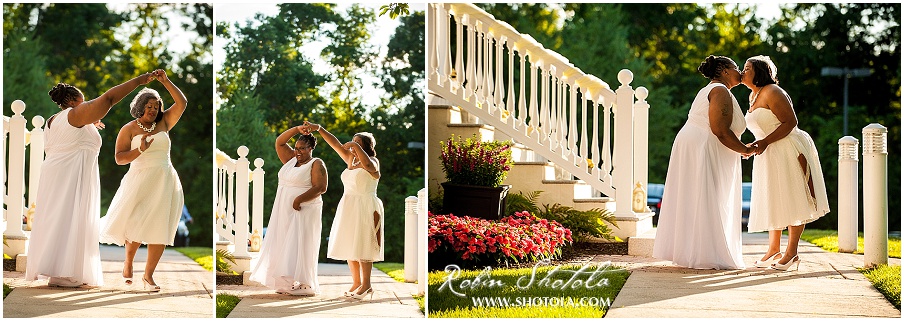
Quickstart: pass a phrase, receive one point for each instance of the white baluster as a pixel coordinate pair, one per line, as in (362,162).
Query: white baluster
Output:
(510,98)
(585,99)
(595,149)
(522,102)
(499,92)
(16,188)
(572,126)
(553,108)
(641,133)
(459,69)
(534,115)
(36,160)
(433,58)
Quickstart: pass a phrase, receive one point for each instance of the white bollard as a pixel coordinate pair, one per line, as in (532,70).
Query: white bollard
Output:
(848,193)
(16,188)
(422,241)
(875,195)
(411,242)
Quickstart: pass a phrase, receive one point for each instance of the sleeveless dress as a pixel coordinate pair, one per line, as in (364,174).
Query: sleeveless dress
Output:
(148,204)
(64,233)
(700,219)
(292,243)
(353,234)
(780,196)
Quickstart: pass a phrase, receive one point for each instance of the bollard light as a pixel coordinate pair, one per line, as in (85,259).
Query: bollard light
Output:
(875,195)
(848,191)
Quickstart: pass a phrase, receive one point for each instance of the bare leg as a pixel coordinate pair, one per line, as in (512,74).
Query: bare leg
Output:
(775,243)
(131,249)
(794,233)
(355,268)
(155,251)
(366,267)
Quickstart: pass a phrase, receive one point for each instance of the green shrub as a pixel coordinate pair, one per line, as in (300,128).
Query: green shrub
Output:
(223,259)
(583,224)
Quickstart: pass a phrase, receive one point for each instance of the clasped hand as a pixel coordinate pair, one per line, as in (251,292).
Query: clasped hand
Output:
(756,148)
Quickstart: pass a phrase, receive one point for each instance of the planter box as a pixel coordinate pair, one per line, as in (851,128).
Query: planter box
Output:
(474,201)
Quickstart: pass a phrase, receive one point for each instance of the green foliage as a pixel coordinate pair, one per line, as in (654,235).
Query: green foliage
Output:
(394,9)
(223,260)
(887,279)
(6,290)
(226,303)
(583,224)
(444,304)
(202,255)
(828,240)
(473,162)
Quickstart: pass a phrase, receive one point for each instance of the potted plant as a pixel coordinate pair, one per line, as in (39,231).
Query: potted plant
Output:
(474,174)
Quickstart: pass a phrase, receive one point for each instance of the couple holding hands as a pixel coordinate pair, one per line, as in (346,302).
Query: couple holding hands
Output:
(700,222)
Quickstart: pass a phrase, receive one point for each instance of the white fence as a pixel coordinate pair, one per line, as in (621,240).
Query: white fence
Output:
(554,108)
(16,137)
(233,178)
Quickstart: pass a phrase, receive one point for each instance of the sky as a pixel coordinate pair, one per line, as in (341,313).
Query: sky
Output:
(381,31)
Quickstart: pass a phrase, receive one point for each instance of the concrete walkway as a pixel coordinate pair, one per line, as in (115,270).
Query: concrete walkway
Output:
(826,285)
(186,291)
(391,299)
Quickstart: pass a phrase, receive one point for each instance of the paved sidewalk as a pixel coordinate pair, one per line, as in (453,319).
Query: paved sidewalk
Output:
(826,285)
(186,291)
(391,299)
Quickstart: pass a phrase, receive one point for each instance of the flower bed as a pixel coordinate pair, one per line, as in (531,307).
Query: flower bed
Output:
(473,241)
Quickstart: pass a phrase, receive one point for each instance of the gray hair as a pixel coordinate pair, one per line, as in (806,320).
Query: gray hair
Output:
(141,99)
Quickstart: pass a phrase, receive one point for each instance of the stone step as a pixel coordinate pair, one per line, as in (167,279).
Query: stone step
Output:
(642,245)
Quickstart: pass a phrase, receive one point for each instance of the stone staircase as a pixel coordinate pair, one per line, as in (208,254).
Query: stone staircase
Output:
(531,172)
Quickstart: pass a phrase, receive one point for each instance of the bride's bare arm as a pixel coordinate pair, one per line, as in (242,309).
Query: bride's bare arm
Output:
(720,116)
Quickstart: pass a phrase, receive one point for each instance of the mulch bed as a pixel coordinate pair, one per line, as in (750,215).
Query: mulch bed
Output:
(228,279)
(9,264)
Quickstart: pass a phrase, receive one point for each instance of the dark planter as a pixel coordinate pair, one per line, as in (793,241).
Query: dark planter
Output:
(474,201)
(229,279)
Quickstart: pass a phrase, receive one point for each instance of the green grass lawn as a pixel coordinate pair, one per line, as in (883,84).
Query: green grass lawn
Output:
(225,304)
(886,279)
(6,290)
(536,299)
(828,240)
(395,270)
(202,255)
(420,302)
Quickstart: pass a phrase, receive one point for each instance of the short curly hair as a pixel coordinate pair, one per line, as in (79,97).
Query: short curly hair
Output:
(368,143)
(764,70)
(141,99)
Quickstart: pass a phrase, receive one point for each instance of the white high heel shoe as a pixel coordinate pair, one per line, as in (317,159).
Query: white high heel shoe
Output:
(369,291)
(784,267)
(352,292)
(153,287)
(768,262)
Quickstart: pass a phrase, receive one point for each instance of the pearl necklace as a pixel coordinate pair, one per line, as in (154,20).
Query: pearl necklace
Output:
(153,125)
(755,96)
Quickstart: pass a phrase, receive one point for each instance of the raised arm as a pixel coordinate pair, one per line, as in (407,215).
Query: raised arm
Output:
(331,140)
(720,116)
(171,115)
(283,150)
(777,100)
(94,110)
(318,184)
(370,164)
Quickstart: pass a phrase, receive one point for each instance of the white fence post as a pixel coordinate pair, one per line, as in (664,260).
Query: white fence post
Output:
(257,196)
(16,187)
(36,160)
(411,240)
(875,195)
(641,138)
(847,194)
(242,177)
(422,241)
(623,161)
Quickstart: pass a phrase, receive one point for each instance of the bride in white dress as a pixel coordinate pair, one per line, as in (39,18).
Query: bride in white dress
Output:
(288,261)
(357,232)
(148,203)
(63,245)
(788,187)
(700,219)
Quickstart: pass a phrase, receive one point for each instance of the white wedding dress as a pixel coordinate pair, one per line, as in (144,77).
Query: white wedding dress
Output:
(353,234)
(148,204)
(64,236)
(780,196)
(700,219)
(292,244)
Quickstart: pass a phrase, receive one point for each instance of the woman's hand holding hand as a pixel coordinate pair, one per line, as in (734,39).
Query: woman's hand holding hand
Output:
(146,78)
(760,146)
(159,74)
(99,124)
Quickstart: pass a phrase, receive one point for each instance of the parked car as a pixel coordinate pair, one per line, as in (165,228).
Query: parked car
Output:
(654,200)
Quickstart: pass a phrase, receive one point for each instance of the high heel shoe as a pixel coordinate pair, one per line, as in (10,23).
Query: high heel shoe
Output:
(128,280)
(154,287)
(357,296)
(784,267)
(352,292)
(768,262)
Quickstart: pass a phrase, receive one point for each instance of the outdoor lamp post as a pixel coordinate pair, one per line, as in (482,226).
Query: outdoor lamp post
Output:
(847,74)
(847,194)
(875,195)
